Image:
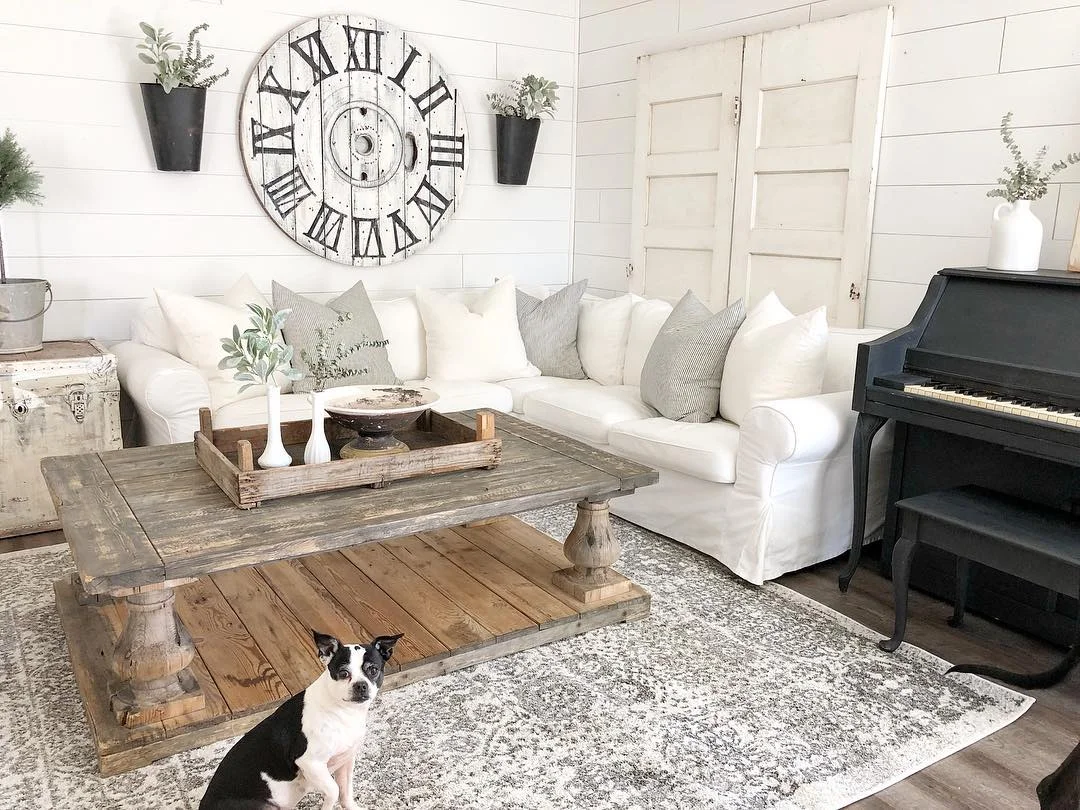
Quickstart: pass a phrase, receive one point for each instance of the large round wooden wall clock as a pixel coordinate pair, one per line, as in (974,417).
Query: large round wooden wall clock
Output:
(354,140)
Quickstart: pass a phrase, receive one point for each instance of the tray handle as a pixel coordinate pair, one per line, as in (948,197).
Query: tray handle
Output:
(485,425)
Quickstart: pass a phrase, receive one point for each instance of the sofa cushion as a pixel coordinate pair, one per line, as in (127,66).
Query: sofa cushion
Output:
(243,412)
(586,413)
(549,330)
(404,328)
(521,387)
(775,355)
(681,376)
(477,341)
(646,318)
(705,450)
(463,395)
(602,328)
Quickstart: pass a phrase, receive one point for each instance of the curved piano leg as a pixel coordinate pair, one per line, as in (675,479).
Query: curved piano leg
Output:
(865,429)
(902,554)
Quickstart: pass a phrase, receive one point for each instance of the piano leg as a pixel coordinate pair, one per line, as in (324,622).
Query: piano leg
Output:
(963,565)
(865,429)
(902,554)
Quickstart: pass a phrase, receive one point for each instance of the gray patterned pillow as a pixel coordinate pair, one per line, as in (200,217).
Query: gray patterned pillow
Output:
(681,376)
(549,331)
(308,316)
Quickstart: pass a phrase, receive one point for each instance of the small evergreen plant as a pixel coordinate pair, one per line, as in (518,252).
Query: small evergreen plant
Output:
(18,182)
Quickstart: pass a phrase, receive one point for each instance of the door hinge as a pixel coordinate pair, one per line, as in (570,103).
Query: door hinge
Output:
(738,111)
(854,294)
(629,269)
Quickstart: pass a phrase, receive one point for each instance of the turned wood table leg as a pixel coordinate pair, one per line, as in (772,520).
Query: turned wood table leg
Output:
(592,548)
(151,660)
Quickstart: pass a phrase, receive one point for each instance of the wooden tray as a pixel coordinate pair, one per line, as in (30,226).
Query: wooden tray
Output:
(437,444)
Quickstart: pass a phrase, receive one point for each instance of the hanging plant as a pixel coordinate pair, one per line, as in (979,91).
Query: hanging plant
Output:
(518,110)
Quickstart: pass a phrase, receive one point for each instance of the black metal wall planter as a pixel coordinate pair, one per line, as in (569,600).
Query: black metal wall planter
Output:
(175,121)
(515,140)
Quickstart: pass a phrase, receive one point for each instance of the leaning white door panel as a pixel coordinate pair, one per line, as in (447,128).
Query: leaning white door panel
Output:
(812,99)
(684,170)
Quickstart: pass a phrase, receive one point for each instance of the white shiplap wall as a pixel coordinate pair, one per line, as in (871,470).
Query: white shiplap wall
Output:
(956,66)
(112,228)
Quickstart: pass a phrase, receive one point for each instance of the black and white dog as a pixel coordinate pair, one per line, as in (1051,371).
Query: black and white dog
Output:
(311,741)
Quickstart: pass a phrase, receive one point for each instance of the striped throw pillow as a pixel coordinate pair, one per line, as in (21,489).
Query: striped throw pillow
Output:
(681,376)
(549,329)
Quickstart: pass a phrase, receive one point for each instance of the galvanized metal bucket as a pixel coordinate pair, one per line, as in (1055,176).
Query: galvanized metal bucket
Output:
(22,314)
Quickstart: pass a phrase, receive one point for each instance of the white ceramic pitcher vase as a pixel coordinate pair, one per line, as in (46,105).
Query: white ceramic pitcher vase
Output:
(1015,238)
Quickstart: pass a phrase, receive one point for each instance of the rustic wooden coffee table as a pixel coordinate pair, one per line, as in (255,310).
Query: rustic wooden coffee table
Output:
(188,619)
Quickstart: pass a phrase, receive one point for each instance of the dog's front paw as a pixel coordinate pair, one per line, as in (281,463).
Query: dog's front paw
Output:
(349,804)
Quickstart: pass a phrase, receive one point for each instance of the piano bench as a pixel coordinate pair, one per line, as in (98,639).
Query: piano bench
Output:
(1028,540)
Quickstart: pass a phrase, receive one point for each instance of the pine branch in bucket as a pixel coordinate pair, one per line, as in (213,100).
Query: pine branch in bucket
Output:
(18,182)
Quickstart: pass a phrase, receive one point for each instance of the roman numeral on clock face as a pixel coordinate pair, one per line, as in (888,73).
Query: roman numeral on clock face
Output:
(326,227)
(433,205)
(261,134)
(432,97)
(370,227)
(404,238)
(269,84)
(287,191)
(372,55)
(312,51)
(446,150)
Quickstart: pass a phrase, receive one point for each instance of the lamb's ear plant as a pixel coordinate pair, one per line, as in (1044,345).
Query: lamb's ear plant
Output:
(1027,179)
(528,97)
(18,182)
(177,65)
(256,354)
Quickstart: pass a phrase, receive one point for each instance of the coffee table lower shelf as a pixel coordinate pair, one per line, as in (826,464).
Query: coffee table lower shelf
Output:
(461,596)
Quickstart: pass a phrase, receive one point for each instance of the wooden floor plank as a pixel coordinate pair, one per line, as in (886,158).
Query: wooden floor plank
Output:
(283,639)
(313,605)
(535,540)
(532,600)
(441,616)
(501,618)
(243,674)
(370,605)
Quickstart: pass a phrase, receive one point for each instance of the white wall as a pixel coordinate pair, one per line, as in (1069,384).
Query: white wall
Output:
(956,66)
(112,227)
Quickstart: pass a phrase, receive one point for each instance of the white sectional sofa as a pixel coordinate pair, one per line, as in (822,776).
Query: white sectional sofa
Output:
(767,497)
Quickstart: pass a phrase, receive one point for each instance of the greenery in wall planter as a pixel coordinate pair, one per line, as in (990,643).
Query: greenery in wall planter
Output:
(518,110)
(22,300)
(175,103)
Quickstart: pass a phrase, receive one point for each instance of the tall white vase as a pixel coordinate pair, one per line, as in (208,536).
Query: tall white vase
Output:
(1015,238)
(275,454)
(317,449)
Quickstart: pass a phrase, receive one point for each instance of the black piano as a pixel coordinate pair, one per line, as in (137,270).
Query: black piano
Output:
(984,387)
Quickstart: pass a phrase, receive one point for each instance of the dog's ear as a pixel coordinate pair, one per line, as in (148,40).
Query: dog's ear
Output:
(325,645)
(384,645)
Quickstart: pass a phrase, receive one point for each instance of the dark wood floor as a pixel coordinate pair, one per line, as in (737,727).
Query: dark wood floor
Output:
(1000,771)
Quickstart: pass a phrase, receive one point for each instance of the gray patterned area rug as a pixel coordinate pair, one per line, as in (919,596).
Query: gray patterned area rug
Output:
(728,696)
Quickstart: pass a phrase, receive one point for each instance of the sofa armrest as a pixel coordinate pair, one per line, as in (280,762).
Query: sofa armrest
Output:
(797,430)
(166,391)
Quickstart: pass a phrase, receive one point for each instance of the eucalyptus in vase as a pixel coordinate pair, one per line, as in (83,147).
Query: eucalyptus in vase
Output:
(326,363)
(1016,233)
(258,357)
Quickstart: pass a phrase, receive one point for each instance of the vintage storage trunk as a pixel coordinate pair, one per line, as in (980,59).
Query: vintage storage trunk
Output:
(60,400)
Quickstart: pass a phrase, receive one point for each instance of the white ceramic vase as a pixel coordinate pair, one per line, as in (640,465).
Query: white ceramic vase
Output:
(275,454)
(317,449)
(1015,238)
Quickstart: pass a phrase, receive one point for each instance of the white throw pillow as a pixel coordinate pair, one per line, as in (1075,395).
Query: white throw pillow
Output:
(646,318)
(775,355)
(404,328)
(197,327)
(603,325)
(244,292)
(478,341)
